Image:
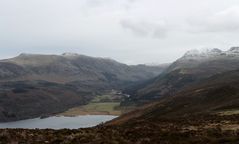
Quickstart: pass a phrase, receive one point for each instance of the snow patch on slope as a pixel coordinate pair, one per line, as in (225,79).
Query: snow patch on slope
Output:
(205,54)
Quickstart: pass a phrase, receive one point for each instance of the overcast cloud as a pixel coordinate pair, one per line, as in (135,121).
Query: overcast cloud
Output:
(146,28)
(130,31)
(223,21)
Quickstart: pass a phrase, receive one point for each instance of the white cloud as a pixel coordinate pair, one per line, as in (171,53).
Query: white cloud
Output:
(144,28)
(222,21)
(111,28)
(110,3)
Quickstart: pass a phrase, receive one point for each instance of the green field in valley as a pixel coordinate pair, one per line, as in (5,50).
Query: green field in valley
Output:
(105,104)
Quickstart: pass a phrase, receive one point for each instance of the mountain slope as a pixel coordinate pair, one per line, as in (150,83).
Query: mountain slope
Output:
(210,96)
(35,85)
(193,67)
(73,67)
(29,99)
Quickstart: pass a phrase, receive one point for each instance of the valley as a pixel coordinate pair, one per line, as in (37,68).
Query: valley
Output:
(193,100)
(34,85)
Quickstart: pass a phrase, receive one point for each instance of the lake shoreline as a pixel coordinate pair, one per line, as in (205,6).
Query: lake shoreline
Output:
(59,122)
(83,113)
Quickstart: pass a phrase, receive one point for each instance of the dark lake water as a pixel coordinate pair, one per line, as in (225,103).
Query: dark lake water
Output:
(59,122)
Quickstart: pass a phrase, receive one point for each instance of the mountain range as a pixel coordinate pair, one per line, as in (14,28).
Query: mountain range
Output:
(72,67)
(35,85)
(193,100)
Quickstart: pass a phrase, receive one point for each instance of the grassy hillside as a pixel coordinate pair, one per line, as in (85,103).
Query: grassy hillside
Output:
(215,94)
(107,108)
(30,99)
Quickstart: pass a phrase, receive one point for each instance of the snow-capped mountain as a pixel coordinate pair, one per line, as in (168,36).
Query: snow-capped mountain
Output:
(68,54)
(193,67)
(213,53)
(209,57)
(233,51)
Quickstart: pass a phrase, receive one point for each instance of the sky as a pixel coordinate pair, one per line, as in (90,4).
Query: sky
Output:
(129,31)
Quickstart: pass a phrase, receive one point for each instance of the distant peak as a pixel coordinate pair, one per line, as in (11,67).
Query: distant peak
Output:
(234,49)
(68,54)
(216,50)
(25,54)
(206,50)
(192,52)
(202,53)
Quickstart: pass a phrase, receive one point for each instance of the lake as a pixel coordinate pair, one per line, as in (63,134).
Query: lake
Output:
(59,122)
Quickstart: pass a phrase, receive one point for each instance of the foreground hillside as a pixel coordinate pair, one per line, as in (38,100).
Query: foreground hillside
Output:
(187,130)
(204,113)
(217,94)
